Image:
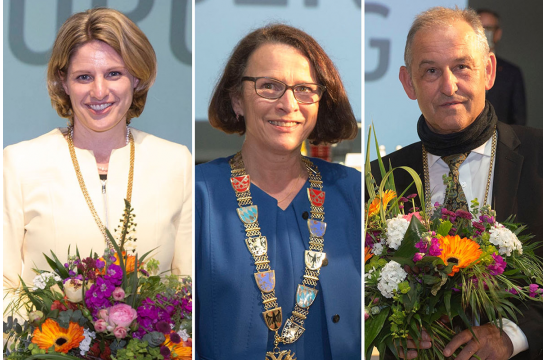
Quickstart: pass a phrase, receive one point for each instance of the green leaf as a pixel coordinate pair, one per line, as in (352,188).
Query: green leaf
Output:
(444,228)
(61,270)
(374,325)
(407,248)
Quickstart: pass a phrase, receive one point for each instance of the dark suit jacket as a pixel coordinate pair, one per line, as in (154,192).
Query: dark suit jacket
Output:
(517,189)
(507,95)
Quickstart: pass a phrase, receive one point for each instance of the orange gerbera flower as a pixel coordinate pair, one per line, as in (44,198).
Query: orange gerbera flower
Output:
(374,208)
(54,335)
(368,253)
(182,349)
(459,251)
(129,262)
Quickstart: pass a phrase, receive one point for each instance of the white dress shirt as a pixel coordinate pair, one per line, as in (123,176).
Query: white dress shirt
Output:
(473,178)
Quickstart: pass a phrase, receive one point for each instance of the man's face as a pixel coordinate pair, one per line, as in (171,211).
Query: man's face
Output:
(448,76)
(491,29)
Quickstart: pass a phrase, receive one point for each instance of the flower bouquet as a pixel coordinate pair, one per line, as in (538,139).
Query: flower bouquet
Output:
(111,307)
(438,270)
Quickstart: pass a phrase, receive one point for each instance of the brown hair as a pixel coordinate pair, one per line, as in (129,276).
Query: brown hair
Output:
(335,121)
(118,31)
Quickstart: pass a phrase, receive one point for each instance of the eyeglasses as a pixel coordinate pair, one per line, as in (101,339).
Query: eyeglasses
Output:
(269,88)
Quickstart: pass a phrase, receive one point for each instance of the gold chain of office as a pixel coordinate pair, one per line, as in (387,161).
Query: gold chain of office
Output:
(84,188)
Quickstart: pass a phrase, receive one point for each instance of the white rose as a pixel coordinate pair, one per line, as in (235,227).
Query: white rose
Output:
(73,291)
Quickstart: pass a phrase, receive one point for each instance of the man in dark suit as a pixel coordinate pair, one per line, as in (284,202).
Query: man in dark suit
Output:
(507,95)
(448,68)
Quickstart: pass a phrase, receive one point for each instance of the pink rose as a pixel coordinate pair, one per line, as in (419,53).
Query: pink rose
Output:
(120,332)
(118,294)
(100,325)
(103,314)
(121,315)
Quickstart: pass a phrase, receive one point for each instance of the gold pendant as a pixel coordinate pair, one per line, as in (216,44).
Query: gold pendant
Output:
(282,355)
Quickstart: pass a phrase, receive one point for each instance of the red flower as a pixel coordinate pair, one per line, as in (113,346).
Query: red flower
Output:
(95,351)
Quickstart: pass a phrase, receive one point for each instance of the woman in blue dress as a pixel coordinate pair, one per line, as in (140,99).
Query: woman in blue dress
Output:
(278,235)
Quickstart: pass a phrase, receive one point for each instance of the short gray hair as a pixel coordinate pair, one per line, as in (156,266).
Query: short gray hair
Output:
(438,16)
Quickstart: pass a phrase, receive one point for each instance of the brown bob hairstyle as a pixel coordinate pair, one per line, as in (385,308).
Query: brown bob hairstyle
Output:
(335,121)
(118,31)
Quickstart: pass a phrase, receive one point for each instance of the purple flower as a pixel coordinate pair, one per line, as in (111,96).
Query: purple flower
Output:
(100,264)
(464,214)
(403,199)
(437,204)
(535,290)
(114,274)
(435,250)
(422,246)
(175,338)
(412,196)
(479,228)
(452,231)
(165,351)
(417,257)
(144,272)
(163,327)
(369,241)
(513,291)
(498,267)
(448,215)
(66,265)
(486,218)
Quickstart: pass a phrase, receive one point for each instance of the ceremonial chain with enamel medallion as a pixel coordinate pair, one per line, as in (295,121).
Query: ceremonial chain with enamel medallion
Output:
(264,276)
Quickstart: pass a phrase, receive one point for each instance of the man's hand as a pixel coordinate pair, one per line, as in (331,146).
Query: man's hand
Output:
(491,344)
(425,343)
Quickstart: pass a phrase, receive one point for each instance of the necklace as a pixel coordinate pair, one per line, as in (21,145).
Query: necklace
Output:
(70,138)
(264,276)
(427,193)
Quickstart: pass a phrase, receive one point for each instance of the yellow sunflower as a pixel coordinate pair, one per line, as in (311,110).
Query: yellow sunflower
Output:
(374,208)
(368,253)
(459,251)
(54,335)
(182,351)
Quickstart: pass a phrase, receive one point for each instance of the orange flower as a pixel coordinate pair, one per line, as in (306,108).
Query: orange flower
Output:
(54,335)
(459,251)
(374,208)
(368,254)
(182,349)
(129,262)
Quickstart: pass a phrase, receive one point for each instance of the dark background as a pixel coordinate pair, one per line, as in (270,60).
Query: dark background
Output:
(522,45)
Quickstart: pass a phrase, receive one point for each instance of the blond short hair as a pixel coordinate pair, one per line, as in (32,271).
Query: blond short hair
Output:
(118,31)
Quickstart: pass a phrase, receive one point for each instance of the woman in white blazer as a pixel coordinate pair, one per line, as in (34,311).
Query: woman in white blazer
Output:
(65,187)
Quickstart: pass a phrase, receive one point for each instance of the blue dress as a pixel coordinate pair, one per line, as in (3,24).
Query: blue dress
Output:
(229,323)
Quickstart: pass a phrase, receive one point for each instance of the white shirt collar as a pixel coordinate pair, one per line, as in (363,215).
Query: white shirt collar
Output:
(483,150)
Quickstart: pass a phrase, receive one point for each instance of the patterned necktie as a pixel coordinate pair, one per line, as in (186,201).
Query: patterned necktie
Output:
(455,199)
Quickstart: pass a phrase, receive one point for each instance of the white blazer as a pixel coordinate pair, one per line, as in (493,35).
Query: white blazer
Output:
(44,208)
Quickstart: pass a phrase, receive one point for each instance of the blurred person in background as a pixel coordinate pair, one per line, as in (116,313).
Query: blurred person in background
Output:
(508,94)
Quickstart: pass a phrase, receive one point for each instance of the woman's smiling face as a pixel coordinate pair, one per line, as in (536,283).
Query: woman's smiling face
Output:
(99,85)
(279,125)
